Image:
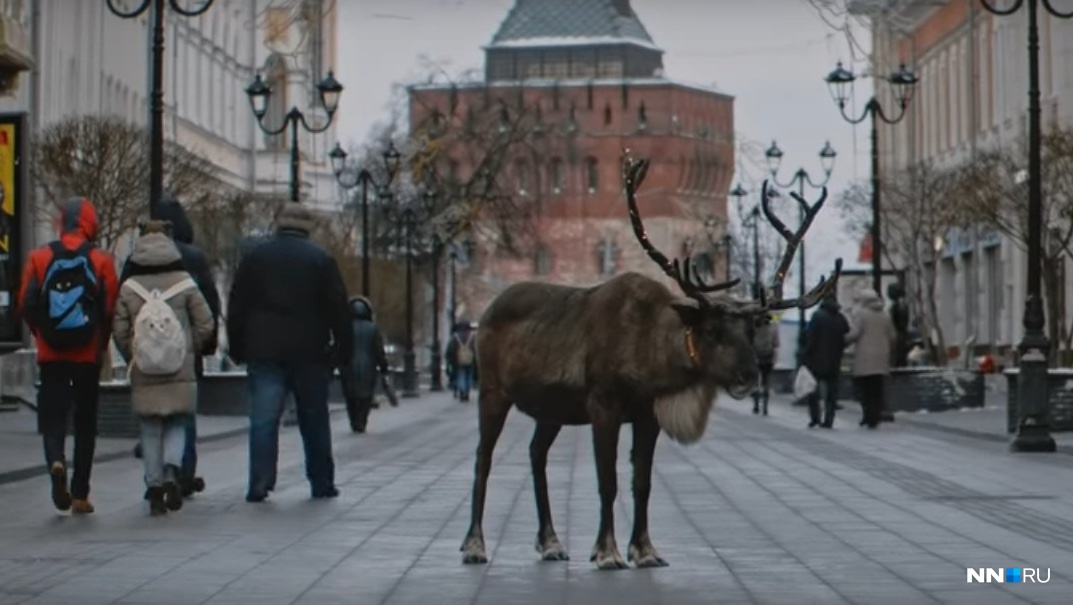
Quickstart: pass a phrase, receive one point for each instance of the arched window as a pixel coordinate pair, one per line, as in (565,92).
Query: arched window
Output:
(276,79)
(556,176)
(525,183)
(542,262)
(592,175)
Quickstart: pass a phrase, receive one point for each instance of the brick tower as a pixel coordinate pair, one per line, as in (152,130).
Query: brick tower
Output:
(595,79)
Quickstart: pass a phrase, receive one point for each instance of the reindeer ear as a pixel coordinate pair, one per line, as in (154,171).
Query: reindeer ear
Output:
(688,309)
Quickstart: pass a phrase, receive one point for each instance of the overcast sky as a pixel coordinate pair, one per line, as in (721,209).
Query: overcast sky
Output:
(771,55)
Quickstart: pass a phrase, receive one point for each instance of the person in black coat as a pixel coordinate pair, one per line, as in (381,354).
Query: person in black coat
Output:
(196,263)
(825,342)
(289,322)
(367,364)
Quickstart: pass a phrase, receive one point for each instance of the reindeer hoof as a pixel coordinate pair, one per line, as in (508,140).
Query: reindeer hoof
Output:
(473,552)
(551,549)
(645,556)
(608,559)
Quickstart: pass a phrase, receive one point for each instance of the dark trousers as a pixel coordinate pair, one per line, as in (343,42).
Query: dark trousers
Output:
(357,409)
(189,469)
(872,395)
(269,385)
(826,393)
(763,387)
(66,386)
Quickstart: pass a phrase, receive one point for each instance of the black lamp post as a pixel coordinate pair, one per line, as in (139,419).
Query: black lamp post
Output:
(349,178)
(438,244)
(739,193)
(156,92)
(1033,427)
(903,83)
(259,93)
(454,287)
(801,177)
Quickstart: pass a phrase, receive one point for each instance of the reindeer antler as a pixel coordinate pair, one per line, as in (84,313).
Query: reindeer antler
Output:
(633,174)
(793,242)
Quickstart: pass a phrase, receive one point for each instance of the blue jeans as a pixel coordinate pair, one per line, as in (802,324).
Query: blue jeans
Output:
(463,380)
(269,385)
(189,469)
(163,441)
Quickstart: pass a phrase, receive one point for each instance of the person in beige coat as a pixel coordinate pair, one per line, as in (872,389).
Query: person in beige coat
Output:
(162,402)
(872,331)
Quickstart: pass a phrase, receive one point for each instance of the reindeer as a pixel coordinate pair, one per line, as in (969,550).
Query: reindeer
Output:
(626,351)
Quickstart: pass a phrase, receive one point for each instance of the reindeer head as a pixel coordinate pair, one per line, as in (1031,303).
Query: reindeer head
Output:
(720,331)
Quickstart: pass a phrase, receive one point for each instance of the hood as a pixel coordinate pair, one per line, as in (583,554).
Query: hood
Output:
(296,217)
(77,215)
(172,211)
(360,308)
(870,300)
(155,250)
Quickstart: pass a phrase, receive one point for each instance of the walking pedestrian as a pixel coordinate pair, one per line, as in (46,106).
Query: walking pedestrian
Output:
(288,320)
(367,364)
(162,324)
(873,333)
(197,265)
(462,356)
(766,344)
(68,299)
(825,342)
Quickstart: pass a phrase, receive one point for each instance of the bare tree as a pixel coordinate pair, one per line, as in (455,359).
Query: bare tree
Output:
(228,224)
(104,159)
(995,190)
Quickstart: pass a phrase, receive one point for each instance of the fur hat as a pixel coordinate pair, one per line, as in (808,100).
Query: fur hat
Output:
(297,217)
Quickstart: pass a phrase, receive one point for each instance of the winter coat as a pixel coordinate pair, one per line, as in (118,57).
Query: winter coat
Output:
(873,334)
(766,342)
(288,302)
(78,225)
(157,265)
(194,261)
(368,355)
(825,340)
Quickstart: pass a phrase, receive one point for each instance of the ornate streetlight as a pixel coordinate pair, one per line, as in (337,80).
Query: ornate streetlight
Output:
(903,82)
(801,178)
(739,193)
(1033,427)
(348,178)
(156,88)
(259,93)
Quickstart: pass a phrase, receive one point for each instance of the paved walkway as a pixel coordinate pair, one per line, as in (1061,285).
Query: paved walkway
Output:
(763,510)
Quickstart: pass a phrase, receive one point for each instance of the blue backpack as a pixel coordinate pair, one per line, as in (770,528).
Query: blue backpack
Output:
(68,306)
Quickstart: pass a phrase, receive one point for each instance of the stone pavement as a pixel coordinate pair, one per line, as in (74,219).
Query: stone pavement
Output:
(763,510)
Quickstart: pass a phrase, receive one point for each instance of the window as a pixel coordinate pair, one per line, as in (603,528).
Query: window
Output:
(556,64)
(500,67)
(583,64)
(592,175)
(556,176)
(542,263)
(521,169)
(607,252)
(610,69)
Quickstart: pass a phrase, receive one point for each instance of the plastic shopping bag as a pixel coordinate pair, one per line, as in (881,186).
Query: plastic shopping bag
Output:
(804,383)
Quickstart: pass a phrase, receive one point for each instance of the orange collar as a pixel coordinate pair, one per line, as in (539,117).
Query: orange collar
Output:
(691,347)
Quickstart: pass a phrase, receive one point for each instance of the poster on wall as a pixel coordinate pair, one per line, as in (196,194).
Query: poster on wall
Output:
(11,201)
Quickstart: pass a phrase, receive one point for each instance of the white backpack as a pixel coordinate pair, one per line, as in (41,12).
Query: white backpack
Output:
(160,346)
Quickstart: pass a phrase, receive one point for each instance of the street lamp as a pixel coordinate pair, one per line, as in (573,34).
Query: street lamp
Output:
(259,93)
(801,177)
(349,178)
(1033,427)
(739,193)
(438,243)
(156,89)
(903,82)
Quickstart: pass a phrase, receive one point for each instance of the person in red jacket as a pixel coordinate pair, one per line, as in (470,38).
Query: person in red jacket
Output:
(68,298)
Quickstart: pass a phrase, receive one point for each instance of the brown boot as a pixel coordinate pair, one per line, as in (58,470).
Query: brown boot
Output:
(61,498)
(81,507)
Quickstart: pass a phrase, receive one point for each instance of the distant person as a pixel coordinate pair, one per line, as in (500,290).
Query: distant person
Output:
(462,355)
(68,298)
(766,345)
(368,363)
(162,324)
(874,335)
(825,343)
(288,320)
(197,264)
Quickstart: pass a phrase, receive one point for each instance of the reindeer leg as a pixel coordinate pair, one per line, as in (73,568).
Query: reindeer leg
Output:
(547,543)
(492,416)
(605,429)
(641,551)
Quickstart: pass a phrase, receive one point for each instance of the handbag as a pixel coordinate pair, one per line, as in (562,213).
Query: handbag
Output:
(804,383)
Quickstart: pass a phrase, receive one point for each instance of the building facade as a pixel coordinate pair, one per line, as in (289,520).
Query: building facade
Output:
(972,97)
(591,74)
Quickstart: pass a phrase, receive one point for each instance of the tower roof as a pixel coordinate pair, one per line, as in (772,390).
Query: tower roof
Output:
(533,23)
